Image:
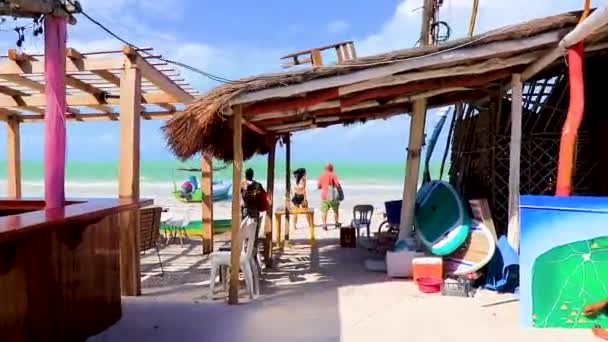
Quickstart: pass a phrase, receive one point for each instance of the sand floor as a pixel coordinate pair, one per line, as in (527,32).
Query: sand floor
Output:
(318,293)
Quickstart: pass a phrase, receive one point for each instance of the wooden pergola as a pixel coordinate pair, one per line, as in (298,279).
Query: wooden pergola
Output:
(124,85)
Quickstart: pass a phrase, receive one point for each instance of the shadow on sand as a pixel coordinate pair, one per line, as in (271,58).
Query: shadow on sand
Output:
(299,300)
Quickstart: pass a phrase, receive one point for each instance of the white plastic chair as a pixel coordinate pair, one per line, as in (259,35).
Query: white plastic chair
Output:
(165,220)
(247,259)
(178,224)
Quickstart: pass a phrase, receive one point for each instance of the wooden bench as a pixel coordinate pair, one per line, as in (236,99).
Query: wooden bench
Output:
(310,218)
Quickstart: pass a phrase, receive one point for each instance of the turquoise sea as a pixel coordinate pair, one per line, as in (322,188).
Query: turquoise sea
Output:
(166,171)
(365,182)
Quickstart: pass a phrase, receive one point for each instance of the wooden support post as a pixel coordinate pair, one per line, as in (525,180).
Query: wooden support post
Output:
(353,51)
(269,215)
(346,51)
(237,169)
(13,157)
(339,54)
(473,18)
(316,58)
(128,177)
(287,185)
(428,8)
(514,161)
(412,168)
(207,189)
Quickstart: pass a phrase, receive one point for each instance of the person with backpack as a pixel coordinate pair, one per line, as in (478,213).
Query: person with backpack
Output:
(254,197)
(331,194)
(254,201)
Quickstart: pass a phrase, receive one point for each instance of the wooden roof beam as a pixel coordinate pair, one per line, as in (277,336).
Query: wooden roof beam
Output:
(18,64)
(381,111)
(11,92)
(72,111)
(370,106)
(157,115)
(24,82)
(5,114)
(472,70)
(294,112)
(98,117)
(155,76)
(77,57)
(378,113)
(403,98)
(307,100)
(291,125)
(169,107)
(108,76)
(32,109)
(80,100)
(254,127)
(104,109)
(448,82)
(85,87)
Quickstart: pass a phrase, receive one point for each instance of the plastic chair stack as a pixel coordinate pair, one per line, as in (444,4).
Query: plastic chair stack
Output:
(248,263)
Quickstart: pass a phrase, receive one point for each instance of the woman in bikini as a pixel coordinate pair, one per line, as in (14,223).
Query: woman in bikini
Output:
(300,196)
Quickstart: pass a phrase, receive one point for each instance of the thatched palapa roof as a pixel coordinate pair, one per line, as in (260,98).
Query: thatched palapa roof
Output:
(366,88)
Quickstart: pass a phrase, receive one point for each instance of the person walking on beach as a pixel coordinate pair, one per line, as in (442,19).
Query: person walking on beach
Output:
(300,197)
(254,197)
(330,186)
(300,194)
(254,200)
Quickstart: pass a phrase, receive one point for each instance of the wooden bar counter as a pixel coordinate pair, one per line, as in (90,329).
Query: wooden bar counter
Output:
(60,268)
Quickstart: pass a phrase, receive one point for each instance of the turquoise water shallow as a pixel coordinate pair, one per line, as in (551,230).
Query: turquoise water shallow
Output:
(165,171)
(369,183)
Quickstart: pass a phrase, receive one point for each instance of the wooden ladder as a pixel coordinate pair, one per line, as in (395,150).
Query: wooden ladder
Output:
(345,51)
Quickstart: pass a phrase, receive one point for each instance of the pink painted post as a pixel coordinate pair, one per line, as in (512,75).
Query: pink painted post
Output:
(54,119)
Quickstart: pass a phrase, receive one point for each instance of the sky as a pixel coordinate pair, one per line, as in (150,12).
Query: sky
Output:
(238,38)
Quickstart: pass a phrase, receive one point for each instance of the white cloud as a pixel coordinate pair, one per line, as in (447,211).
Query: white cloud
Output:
(338,26)
(403,28)
(229,61)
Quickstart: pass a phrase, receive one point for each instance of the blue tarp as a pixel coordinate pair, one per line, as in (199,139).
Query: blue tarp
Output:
(503,269)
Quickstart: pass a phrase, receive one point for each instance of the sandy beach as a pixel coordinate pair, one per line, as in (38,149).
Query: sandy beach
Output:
(315,293)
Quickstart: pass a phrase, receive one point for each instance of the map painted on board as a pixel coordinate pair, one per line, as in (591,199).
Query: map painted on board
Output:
(566,279)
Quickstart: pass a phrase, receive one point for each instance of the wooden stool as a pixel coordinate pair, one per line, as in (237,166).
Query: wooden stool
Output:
(310,218)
